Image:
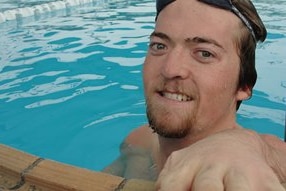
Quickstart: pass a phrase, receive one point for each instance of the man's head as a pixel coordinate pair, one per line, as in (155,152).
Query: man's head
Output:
(252,31)
(200,63)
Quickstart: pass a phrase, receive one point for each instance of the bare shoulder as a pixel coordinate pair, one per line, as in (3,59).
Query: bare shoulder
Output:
(136,156)
(275,142)
(142,137)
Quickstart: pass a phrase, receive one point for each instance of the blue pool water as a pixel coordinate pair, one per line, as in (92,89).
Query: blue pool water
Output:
(71,88)
(14,4)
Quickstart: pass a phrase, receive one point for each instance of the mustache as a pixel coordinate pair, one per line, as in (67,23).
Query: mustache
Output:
(173,86)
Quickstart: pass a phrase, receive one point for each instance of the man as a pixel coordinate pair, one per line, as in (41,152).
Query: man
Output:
(199,67)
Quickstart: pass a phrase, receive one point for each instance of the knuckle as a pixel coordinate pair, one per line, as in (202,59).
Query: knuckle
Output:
(207,183)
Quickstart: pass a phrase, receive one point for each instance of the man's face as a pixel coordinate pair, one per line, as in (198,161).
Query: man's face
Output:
(191,70)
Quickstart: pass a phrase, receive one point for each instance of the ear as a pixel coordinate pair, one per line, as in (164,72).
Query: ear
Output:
(244,93)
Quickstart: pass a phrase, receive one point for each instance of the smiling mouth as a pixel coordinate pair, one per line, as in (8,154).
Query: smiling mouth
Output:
(176,96)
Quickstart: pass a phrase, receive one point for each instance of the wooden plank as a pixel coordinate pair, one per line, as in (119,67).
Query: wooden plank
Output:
(31,173)
(14,160)
(7,180)
(12,164)
(56,176)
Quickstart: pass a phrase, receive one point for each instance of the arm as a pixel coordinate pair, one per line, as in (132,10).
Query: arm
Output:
(277,156)
(135,159)
(231,160)
(117,167)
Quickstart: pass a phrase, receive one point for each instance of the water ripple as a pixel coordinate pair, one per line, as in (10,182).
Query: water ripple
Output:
(111,117)
(66,98)
(59,84)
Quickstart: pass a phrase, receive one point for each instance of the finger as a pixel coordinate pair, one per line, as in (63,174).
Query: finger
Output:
(175,180)
(277,187)
(210,179)
(284,185)
(235,181)
(176,175)
(271,183)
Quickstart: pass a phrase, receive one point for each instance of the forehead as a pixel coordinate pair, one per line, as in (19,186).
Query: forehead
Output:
(190,18)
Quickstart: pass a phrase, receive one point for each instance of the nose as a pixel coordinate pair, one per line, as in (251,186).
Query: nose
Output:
(176,64)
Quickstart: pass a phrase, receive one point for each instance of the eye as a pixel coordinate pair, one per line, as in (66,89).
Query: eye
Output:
(156,46)
(205,54)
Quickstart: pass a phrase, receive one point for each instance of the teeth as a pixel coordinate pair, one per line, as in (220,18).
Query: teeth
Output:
(177,97)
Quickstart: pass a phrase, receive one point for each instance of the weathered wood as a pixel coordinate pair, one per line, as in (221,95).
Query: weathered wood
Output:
(25,172)
(14,160)
(57,176)
(12,164)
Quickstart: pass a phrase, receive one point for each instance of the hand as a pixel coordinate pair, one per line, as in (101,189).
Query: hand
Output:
(232,160)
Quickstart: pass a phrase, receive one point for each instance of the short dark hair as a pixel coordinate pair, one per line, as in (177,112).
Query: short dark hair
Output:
(246,44)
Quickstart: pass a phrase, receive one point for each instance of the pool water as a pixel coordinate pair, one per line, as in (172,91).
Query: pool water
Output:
(14,4)
(71,87)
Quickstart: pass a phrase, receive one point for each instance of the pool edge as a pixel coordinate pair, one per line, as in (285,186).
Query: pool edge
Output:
(22,171)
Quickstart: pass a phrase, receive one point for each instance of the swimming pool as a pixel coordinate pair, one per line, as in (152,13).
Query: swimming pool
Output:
(71,87)
(14,4)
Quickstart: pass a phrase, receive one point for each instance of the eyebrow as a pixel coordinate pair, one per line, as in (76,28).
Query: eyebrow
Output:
(195,40)
(160,35)
(198,40)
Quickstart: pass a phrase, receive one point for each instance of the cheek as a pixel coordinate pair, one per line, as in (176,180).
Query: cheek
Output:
(229,74)
(220,83)
(149,75)
(231,79)
(151,69)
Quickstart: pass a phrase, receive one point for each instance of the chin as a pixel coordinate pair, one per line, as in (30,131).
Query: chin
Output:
(169,123)
(175,134)
(168,128)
